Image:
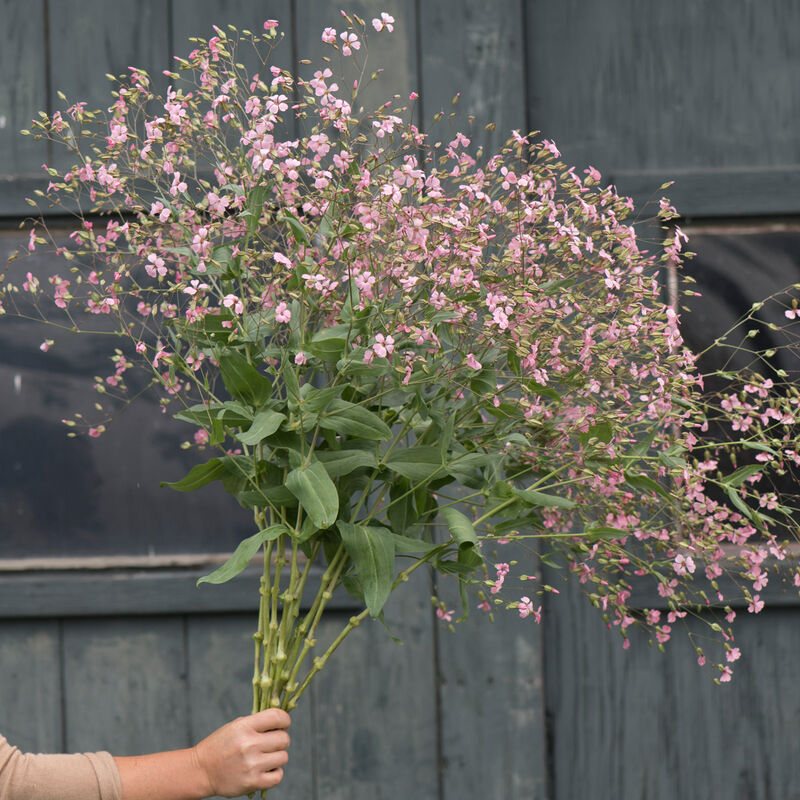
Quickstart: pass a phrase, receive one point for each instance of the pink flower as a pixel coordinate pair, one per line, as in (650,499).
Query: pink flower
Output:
(368,356)
(727,674)
(350,43)
(201,437)
(385,22)
(282,313)
(384,345)
(734,654)
(270,24)
(46,345)
(98,431)
(756,605)
(329,35)
(447,616)
(300,358)
(280,258)
(232,301)
(683,564)
(473,362)
(155,266)
(140,347)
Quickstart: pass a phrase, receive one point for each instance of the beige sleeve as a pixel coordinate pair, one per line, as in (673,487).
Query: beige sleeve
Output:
(84,776)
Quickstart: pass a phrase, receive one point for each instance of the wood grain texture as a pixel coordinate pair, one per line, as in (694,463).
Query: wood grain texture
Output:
(639,723)
(394,53)
(492,709)
(23,90)
(476,49)
(374,705)
(125,685)
(220,650)
(679,86)
(89,38)
(30,688)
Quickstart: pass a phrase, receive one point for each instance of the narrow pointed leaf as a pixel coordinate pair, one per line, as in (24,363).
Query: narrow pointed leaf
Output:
(243,554)
(372,551)
(416,463)
(313,487)
(354,420)
(264,424)
(543,500)
(212,470)
(460,527)
(243,380)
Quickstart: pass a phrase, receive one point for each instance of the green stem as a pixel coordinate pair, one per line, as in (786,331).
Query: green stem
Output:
(308,628)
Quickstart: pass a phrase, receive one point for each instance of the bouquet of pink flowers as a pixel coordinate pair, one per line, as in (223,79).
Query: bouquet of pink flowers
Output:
(373,344)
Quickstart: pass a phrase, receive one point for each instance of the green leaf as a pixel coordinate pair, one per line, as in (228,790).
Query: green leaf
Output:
(329,343)
(372,551)
(255,206)
(759,446)
(313,487)
(354,420)
(596,533)
(213,470)
(647,483)
(742,474)
(460,527)
(416,463)
(244,382)
(736,499)
(291,382)
(342,462)
(243,554)
(296,227)
(264,424)
(199,414)
(602,431)
(541,499)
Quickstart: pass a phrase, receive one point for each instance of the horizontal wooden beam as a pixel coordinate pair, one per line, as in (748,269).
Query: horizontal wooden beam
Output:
(135,592)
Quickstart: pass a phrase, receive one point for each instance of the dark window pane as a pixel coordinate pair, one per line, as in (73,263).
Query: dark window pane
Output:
(81,496)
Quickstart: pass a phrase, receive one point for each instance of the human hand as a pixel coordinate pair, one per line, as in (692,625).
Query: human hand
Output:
(245,755)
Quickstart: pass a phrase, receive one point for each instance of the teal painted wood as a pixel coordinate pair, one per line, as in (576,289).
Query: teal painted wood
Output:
(492,709)
(195,18)
(375,705)
(125,685)
(394,53)
(640,723)
(468,48)
(91,37)
(220,667)
(30,687)
(23,93)
(669,87)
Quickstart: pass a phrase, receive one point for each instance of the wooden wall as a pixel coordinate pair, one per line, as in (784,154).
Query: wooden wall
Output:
(133,659)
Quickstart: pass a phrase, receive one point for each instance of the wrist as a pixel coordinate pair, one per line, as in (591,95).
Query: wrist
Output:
(203,779)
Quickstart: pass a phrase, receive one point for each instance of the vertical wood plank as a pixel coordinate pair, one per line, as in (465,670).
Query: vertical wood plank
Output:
(220,670)
(195,18)
(639,723)
(125,685)
(476,49)
(30,689)
(395,53)
(375,705)
(624,85)
(23,90)
(89,38)
(492,708)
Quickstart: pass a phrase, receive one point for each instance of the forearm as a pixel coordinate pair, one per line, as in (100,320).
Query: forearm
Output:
(173,775)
